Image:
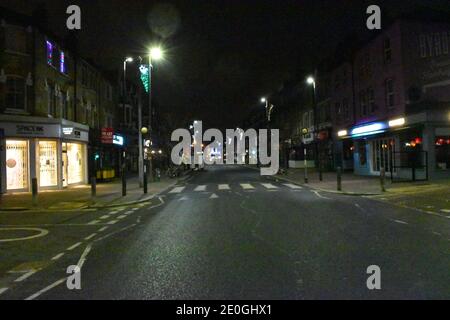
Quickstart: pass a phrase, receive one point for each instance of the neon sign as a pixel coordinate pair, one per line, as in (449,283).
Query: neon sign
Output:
(370,129)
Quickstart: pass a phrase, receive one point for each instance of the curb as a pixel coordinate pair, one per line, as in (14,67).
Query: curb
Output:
(92,207)
(346,193)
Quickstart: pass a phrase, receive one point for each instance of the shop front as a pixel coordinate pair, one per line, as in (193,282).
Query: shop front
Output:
(51,150)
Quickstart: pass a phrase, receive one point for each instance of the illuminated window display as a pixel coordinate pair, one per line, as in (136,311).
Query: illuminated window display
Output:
(47,157)
(75,162)
(17,164)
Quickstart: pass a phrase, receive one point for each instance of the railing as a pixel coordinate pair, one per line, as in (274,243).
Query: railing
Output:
(409,166)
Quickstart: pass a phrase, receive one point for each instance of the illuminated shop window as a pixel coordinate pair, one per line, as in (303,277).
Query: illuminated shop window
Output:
(48,173)
(62,65)
(75,163)
(16,164)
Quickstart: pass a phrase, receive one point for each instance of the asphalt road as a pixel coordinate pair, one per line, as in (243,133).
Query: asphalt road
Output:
(228,233)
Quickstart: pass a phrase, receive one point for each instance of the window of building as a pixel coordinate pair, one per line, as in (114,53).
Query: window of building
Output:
(390,95)
(15,39)
(51,100)
(371,100)
(338,109)
(387,50)
(64,105)
(363,103)
(15,92)
(345,110)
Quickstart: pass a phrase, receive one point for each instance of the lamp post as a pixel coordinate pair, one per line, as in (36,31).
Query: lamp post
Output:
(269,108)
(312,82)
(124,93)
(155,54)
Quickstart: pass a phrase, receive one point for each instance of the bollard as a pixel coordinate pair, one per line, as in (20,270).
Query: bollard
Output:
(339,178)
(382,179)
(34,191)
(93,188)
(320,173)
(124,182)
(145,178)
(305,164)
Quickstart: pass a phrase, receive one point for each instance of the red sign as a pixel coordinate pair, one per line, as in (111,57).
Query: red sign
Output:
(107,135)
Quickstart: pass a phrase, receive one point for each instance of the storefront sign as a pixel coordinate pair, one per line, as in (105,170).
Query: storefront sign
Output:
(107,135)
(369,129)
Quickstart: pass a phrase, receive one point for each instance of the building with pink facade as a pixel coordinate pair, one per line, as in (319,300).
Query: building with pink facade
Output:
(392,103)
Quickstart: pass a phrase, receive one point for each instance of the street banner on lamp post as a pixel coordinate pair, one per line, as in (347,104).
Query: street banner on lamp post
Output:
(145,76)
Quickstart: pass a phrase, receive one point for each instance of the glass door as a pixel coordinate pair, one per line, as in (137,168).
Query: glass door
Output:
(47,157)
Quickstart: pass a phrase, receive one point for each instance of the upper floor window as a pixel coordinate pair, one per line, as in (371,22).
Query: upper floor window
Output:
(51,100)
(345,109)
(390,94)
(15,93)
(15,39)
(56,57)
(371,100)
(363,103)
(387,50)
(338,110)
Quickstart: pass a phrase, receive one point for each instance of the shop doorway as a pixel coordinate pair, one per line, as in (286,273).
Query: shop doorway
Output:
(73,155)
(382,150)
(17,166)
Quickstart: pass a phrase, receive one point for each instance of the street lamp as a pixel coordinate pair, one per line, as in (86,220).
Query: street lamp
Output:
(124,182)
(312,82)
(155,53)
(269,108)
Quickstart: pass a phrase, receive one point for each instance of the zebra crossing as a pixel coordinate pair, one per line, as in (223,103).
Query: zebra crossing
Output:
(234,187)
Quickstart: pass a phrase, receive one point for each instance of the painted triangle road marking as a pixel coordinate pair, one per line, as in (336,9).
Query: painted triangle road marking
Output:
(214,196)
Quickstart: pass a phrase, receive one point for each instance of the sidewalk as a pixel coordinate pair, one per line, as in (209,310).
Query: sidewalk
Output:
(79,197)
(432,197)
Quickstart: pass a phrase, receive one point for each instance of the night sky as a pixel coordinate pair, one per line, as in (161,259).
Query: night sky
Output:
(221,56)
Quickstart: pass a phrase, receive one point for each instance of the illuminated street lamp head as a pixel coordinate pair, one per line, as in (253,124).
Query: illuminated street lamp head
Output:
(263,100)
(310,80)
(128,59)
(156,53)
(144,130)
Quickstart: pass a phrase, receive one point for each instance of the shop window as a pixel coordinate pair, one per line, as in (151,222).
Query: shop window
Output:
(47,155)
(16,164)
(382,150)
(443,153)
(75,163)
(15,92)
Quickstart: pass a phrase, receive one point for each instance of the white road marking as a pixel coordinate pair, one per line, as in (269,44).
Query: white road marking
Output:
(200,188)
(134,209)
(54,284)
(104,217)
(177,190)
(74,246)
(214,196)
(400,221)
(2,290)
(94,222)
(247,186)
(42,233)
(183,199)
(269,186)
(121,217)
(437,233)
(102,229)
(90,236)
(224,187)
(58,256)
(83,256)
(319,195)
(26,275)
(129,212)
(445,210)
(113,221)
(293,186)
